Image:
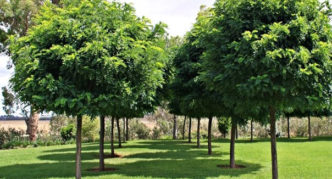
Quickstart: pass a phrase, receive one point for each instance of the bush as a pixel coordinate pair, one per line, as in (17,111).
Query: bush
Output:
(90,129)
(139,130)
(67,133)
(156,133)
(58,122)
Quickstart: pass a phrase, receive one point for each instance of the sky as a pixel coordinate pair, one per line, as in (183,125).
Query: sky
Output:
(179,15)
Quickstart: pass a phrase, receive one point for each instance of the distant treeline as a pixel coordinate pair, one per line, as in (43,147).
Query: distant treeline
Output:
(11,117)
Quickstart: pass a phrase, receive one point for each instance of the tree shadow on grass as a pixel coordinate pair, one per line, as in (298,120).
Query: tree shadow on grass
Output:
(197,168)
(157,145)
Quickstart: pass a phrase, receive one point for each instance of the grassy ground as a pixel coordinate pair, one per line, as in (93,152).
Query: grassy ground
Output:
(297,158)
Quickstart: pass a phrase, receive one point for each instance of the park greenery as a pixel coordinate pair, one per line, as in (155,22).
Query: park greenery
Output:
(93,61)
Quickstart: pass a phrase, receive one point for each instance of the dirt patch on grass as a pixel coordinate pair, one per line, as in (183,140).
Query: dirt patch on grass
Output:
(227,166)
(113,156)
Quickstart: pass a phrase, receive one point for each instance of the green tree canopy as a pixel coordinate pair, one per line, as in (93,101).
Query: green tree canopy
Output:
(88,57)
(269,54)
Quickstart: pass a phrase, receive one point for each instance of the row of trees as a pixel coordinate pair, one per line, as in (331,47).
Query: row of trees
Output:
(243,60)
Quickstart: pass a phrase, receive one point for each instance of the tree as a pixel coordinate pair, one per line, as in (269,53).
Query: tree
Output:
(195,100)
(223,125)
(269,55)
(15,19)
(8,101)
(87,58)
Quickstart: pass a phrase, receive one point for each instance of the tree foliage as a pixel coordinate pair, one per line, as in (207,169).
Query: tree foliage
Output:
(89,57)
(269,53)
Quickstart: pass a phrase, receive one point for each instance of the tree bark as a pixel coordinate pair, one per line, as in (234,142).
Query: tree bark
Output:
(124,130)
(189,132)
(101,143)
(237,132)
(288,133)
(78,146)
(184,128)
(112,137)
(251,130)
(174,128)
(210,136)
(273,143)
(127,129)
(232,145)
(55,1)
(198,132)
(119,131)
(309,128)
(32,127)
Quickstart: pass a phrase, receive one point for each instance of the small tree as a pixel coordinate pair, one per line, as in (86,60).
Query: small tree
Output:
(224,125)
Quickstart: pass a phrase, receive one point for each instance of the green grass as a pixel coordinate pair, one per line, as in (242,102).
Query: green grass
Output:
(297,158)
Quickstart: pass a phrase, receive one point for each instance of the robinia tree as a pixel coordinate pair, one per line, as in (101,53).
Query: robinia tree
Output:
(269,54)
(86,58)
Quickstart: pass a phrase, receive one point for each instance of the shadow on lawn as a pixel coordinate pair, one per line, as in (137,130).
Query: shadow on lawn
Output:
(174,160)
(198,168)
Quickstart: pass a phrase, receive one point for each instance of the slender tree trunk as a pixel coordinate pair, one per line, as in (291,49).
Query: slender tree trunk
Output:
(237,132)
(288,133)
(101,143)
(124,130)
(112,137)
(198,132)
(309,128)
(55,1)
(78,147)
(232,145)
(174,128)
(184,128)
(273,143)
(209,136)
(189,131)
(251,130)
(127,129)
(119,131)
(224,134)
(32,124)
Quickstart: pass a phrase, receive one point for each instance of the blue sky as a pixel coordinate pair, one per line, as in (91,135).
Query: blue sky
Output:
(179,15)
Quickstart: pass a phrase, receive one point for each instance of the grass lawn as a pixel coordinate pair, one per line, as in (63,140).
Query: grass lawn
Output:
(297,158)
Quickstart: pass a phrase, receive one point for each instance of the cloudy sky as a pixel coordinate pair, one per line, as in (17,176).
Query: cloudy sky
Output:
(179,15)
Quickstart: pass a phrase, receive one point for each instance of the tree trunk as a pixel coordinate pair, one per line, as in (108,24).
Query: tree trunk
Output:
(55,1)
(251,130)
(232,145)
(224,134)
(101,143)
(119,131)
(288,133)
(124,130)
(237,132)
(198,132)
(78,147)
(32,124)
(209,136)
(309,128)
(112,137)
(184,128)
(174,128)
(127,129)
(189,132)
(273,143)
